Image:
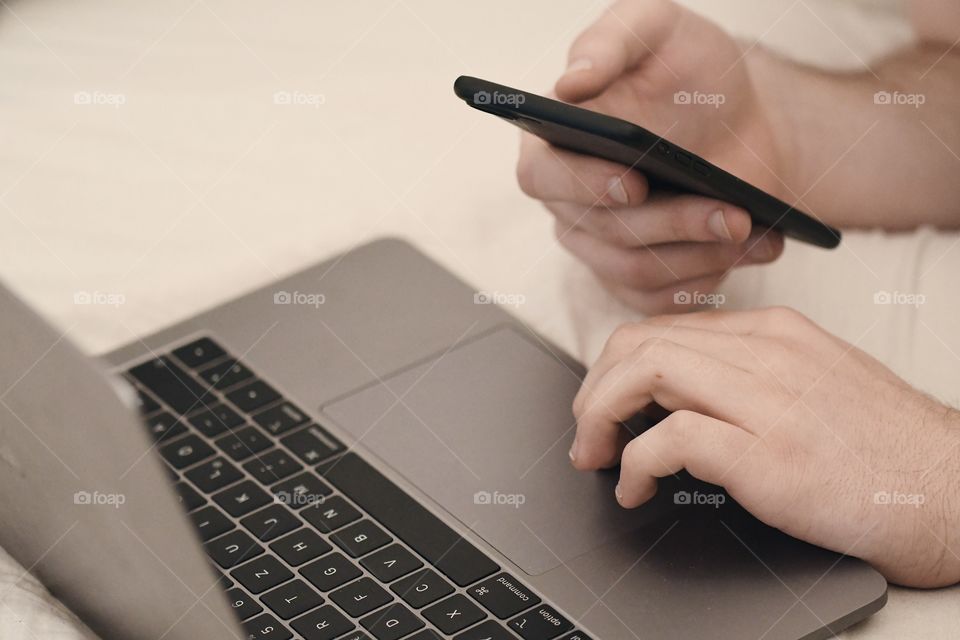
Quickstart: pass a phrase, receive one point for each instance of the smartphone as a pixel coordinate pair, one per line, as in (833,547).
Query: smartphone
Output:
(665,164)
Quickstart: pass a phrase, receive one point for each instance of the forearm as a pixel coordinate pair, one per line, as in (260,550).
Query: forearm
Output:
(858,161)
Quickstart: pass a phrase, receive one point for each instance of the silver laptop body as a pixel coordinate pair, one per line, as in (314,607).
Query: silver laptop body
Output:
(422,382)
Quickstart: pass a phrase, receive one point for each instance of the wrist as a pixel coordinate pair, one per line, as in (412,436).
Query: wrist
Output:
(944,532)
(776,82)
(928,551)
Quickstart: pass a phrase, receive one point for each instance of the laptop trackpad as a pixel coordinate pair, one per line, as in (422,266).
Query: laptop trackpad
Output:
(484,430)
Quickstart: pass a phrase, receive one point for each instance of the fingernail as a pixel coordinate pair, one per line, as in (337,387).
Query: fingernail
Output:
(762,250)
(580,64)
(573,450)
(718,225)
(619,493)
(616,190)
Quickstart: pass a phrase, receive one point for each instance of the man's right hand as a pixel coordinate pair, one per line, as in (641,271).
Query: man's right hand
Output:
(665,68)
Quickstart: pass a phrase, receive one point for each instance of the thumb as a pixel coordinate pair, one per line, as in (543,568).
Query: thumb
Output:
(627,33)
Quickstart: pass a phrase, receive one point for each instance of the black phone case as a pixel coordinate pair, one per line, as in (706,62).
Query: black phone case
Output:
(665,164)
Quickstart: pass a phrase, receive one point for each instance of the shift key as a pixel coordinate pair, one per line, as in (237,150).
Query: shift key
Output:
(410,521)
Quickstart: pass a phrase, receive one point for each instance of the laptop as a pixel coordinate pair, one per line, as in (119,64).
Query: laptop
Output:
(367,449)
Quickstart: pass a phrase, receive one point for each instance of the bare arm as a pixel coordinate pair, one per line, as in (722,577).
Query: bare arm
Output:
(880,148)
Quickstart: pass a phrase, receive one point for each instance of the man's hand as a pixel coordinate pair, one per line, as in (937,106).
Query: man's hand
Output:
(808,433)
(659,65)
(874,149)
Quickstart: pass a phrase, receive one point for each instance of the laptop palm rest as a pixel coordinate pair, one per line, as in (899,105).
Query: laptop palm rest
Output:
(484,430)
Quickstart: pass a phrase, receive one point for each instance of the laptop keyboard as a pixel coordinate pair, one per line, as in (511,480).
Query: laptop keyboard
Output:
(313,543)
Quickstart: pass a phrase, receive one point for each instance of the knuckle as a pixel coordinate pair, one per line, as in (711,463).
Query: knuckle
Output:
(608,225)
(585,42)
(639,271)
(592,410)
(681,222)
(779,317)
(652,349)
(578,405)
(566,235)
(624,337)
(632,453)
(683,422)
(527,175)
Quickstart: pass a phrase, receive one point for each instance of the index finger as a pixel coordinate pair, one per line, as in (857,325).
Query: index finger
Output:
(548,173)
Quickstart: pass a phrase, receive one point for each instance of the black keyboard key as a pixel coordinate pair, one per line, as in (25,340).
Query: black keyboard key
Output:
(291,599)
(409,520)
(233,548)
(422,588)
(261,574)
(266,627)
(488,630)
(171,384)
(360,538)
(273,466)
(189,497)
(271,522)
(280,419)
(300,546)
(210,522)
(356,634)
(199,352)
(454,614)
(226,374)
(145,402)
(325,623)
(576,635)
(213,475)
(391,563)
(302,490)
(186,451)
(360,597)
(216,419)
(163,426)
(253,395)
(244,606)
(243,443)
(426,634)
(331,514)
(330,571)
(503,596)
(312,445)
(540,623)
(242,498)
(391,623)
